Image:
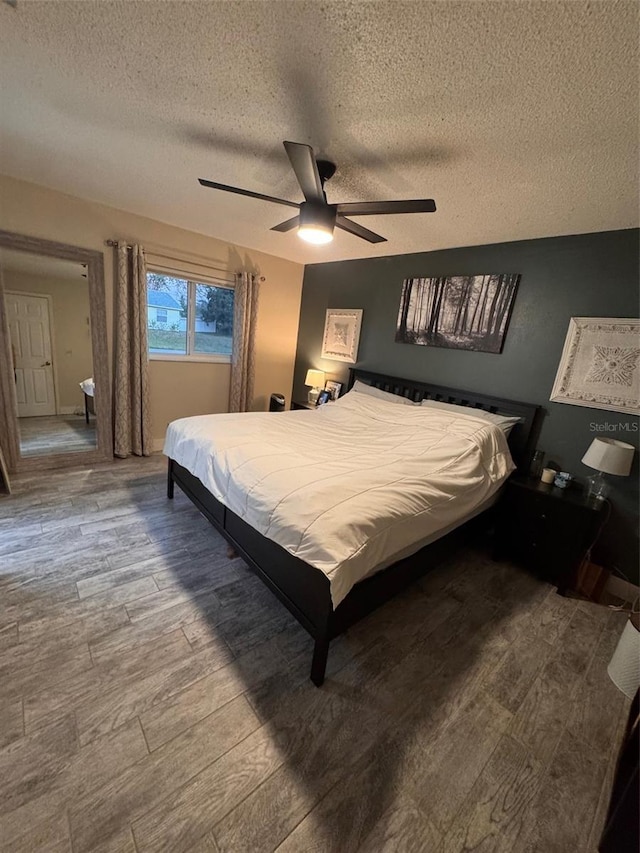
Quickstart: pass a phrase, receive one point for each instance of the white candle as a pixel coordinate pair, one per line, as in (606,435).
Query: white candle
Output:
(547,475)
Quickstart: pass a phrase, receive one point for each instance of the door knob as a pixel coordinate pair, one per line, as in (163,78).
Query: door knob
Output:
(46,364)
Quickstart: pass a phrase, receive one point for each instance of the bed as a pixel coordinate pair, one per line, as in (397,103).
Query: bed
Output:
(423,478)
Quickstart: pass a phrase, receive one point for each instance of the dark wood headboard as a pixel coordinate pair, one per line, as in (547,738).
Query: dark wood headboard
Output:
(523,437)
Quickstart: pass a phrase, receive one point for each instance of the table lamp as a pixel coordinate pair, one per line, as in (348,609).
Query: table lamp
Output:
(606,456)
(315,380)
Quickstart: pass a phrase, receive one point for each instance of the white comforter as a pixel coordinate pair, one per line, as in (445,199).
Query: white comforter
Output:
(347,486)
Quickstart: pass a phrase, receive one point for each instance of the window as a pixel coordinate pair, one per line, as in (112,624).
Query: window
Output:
(188,319)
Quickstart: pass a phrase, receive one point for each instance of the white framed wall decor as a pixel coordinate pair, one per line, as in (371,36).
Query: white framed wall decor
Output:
(600,365)
(342,334)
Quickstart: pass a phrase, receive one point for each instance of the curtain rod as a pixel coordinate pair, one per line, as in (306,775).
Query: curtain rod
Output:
(208,266)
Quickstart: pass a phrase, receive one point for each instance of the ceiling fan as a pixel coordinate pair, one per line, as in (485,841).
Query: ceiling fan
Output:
(317,218)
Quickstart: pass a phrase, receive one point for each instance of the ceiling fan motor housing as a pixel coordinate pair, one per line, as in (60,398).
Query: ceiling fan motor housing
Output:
(314,215)
(326,169)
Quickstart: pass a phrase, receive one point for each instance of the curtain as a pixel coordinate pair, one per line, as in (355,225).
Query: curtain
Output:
(132,427)
(245,313)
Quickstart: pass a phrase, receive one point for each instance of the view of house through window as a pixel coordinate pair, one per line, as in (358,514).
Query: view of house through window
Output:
(187,317)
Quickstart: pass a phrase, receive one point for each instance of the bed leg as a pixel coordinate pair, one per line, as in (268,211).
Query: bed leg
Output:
(319,662)
(170,483)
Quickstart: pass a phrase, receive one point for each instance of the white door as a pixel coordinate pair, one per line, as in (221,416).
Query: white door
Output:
(30,334)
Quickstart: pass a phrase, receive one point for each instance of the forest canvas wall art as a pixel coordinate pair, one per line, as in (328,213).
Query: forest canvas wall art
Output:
(459,312)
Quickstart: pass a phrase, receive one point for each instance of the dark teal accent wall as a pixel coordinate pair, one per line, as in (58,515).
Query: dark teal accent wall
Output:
(587,275)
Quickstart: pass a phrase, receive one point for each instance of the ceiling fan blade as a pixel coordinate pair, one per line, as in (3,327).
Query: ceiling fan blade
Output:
(358,230)
(370,208)
(306,169)
(238,191)
(289,225)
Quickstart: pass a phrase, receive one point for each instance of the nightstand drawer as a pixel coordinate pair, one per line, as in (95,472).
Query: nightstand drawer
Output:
(549,561)
(534,506)
(521,525)
(542,522)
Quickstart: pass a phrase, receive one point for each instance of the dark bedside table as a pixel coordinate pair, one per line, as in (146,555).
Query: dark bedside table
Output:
(300,404)
(546,529)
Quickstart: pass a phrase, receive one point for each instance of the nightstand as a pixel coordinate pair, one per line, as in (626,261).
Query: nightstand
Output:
(546,529)
(299,404)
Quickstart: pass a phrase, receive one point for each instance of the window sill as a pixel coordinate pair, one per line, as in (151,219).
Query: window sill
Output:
(201,359)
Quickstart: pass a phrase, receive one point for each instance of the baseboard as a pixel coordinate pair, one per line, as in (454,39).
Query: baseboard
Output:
(70,410)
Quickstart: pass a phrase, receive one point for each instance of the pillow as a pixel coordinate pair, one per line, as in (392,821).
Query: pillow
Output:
(363,388)
(505,422)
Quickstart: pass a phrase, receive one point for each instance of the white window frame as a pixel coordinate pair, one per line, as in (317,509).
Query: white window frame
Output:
(211,358)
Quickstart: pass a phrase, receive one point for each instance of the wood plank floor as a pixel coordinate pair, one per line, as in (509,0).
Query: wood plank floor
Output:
(155,696)
(56,434)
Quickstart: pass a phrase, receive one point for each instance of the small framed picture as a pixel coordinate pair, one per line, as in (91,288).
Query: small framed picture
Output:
(323,397)
(333,387)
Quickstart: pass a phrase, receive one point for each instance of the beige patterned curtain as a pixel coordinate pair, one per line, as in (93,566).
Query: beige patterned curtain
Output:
(132,426)
(245,313)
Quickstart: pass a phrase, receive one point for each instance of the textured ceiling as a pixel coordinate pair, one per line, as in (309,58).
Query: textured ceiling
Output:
(520,119)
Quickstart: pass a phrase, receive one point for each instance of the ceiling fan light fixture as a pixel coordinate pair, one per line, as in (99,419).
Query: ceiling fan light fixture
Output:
(315,234)
(316,223)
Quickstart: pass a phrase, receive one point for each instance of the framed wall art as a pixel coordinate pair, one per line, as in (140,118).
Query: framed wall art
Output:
(458,312)
(342,334)
(599,367)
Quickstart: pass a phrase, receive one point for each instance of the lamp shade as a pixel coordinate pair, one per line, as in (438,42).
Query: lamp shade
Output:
(610,456)
(315,378)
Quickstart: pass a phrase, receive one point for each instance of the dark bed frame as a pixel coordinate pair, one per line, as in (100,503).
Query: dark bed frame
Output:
(303,589)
